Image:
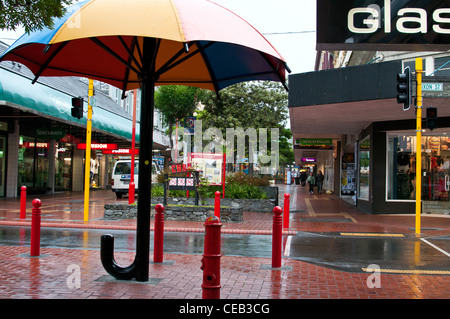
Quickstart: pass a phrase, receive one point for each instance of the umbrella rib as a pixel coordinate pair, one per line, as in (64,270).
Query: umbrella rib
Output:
(283,81)
(208,66)
(114,54)
(87,75)
(166,65)
(47,62)
(153,62)
(130,50)
(130,57)
(171,66)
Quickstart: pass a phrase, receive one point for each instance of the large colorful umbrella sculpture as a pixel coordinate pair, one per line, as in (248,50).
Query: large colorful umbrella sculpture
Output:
(142,44)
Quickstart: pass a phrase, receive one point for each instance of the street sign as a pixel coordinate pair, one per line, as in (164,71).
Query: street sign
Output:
(435,87)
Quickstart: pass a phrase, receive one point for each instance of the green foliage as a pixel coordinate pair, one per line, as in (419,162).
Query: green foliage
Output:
(32,15)
(238,185)
(176,103)
(243,179)
(158,191)
(245,105)
(244,192)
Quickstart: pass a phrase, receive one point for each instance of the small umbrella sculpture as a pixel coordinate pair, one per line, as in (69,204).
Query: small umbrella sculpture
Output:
(142,44)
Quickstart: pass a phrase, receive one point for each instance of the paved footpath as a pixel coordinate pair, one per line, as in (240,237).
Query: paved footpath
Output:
(54,275)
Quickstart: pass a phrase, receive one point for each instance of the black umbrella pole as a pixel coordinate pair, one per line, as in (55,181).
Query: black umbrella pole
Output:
(145,178)
(139,268)
(145,161)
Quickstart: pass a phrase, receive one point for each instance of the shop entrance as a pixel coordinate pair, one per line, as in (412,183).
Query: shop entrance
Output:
(436,177)
(435,171)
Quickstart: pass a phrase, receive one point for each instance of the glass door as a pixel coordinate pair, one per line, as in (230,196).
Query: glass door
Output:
(436,176)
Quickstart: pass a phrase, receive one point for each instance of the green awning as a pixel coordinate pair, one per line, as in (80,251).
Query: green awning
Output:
(18,92)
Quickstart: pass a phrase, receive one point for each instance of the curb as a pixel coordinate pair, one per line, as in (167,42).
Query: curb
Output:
(123,227)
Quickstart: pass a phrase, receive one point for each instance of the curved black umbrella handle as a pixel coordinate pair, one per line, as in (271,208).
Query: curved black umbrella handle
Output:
(110,265)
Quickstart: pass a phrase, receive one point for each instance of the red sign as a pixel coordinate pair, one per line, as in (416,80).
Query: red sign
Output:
(31,145)
(180,168)
(121,151)
(98,146)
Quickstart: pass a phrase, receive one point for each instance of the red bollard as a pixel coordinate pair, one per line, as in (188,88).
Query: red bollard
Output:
(217,205)
(277,234)
(211,259)
(23,202)
(286,211)
(131,192)
(159,234)
(36,228)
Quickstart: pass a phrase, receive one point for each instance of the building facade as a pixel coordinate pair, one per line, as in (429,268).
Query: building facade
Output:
(41,143)
(351,100)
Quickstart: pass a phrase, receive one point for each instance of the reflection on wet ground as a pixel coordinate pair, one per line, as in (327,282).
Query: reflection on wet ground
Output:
(350,252)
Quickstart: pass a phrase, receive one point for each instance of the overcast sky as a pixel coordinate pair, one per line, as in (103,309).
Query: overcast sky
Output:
(294,19)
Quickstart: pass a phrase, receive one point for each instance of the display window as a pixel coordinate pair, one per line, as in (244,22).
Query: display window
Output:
(33,164)
(401,170)
(364,169)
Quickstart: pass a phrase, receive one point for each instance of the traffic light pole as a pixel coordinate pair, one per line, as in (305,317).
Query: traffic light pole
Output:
(87,166)
(419,71)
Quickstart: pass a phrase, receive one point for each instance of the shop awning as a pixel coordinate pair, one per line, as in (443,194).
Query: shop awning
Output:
(331,103)
(16,91)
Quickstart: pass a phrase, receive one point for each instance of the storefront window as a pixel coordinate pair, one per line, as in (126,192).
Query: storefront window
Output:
(364,168)
(402,171)
(63,163)
(33,162)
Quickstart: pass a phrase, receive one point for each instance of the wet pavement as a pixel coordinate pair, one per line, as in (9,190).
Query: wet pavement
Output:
(327,251)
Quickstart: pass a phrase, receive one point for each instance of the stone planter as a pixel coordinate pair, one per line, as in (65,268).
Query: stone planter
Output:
(177,212)
(183,209)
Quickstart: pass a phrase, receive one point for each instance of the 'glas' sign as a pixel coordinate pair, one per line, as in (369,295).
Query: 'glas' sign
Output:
(415,25)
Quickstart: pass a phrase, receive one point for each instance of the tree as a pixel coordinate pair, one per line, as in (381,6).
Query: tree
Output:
(247,105)
(31,14)
(286,150)
(176,103)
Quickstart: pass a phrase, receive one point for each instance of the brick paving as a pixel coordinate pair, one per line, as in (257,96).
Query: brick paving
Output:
(51,276)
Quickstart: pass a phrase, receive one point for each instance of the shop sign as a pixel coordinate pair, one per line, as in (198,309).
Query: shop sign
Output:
(32,144)
(308,159)
(314,143)
(415,25)
(121,151)
(50,133)
(98,146)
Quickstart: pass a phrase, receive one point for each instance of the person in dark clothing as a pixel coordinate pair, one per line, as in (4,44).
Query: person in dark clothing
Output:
(319,182)
(303,178)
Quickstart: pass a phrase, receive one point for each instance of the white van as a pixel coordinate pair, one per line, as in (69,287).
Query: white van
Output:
(121,176)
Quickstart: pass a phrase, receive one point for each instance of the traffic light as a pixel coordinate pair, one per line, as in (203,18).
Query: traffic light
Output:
(431,118)
(404,88)
(77,107)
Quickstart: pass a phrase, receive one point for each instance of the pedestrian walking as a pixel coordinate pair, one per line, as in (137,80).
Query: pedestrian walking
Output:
(311,181)
(319,182)
(303,178)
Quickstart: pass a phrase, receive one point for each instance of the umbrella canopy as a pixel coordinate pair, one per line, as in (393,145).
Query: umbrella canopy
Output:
(141,44)
(199,44)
